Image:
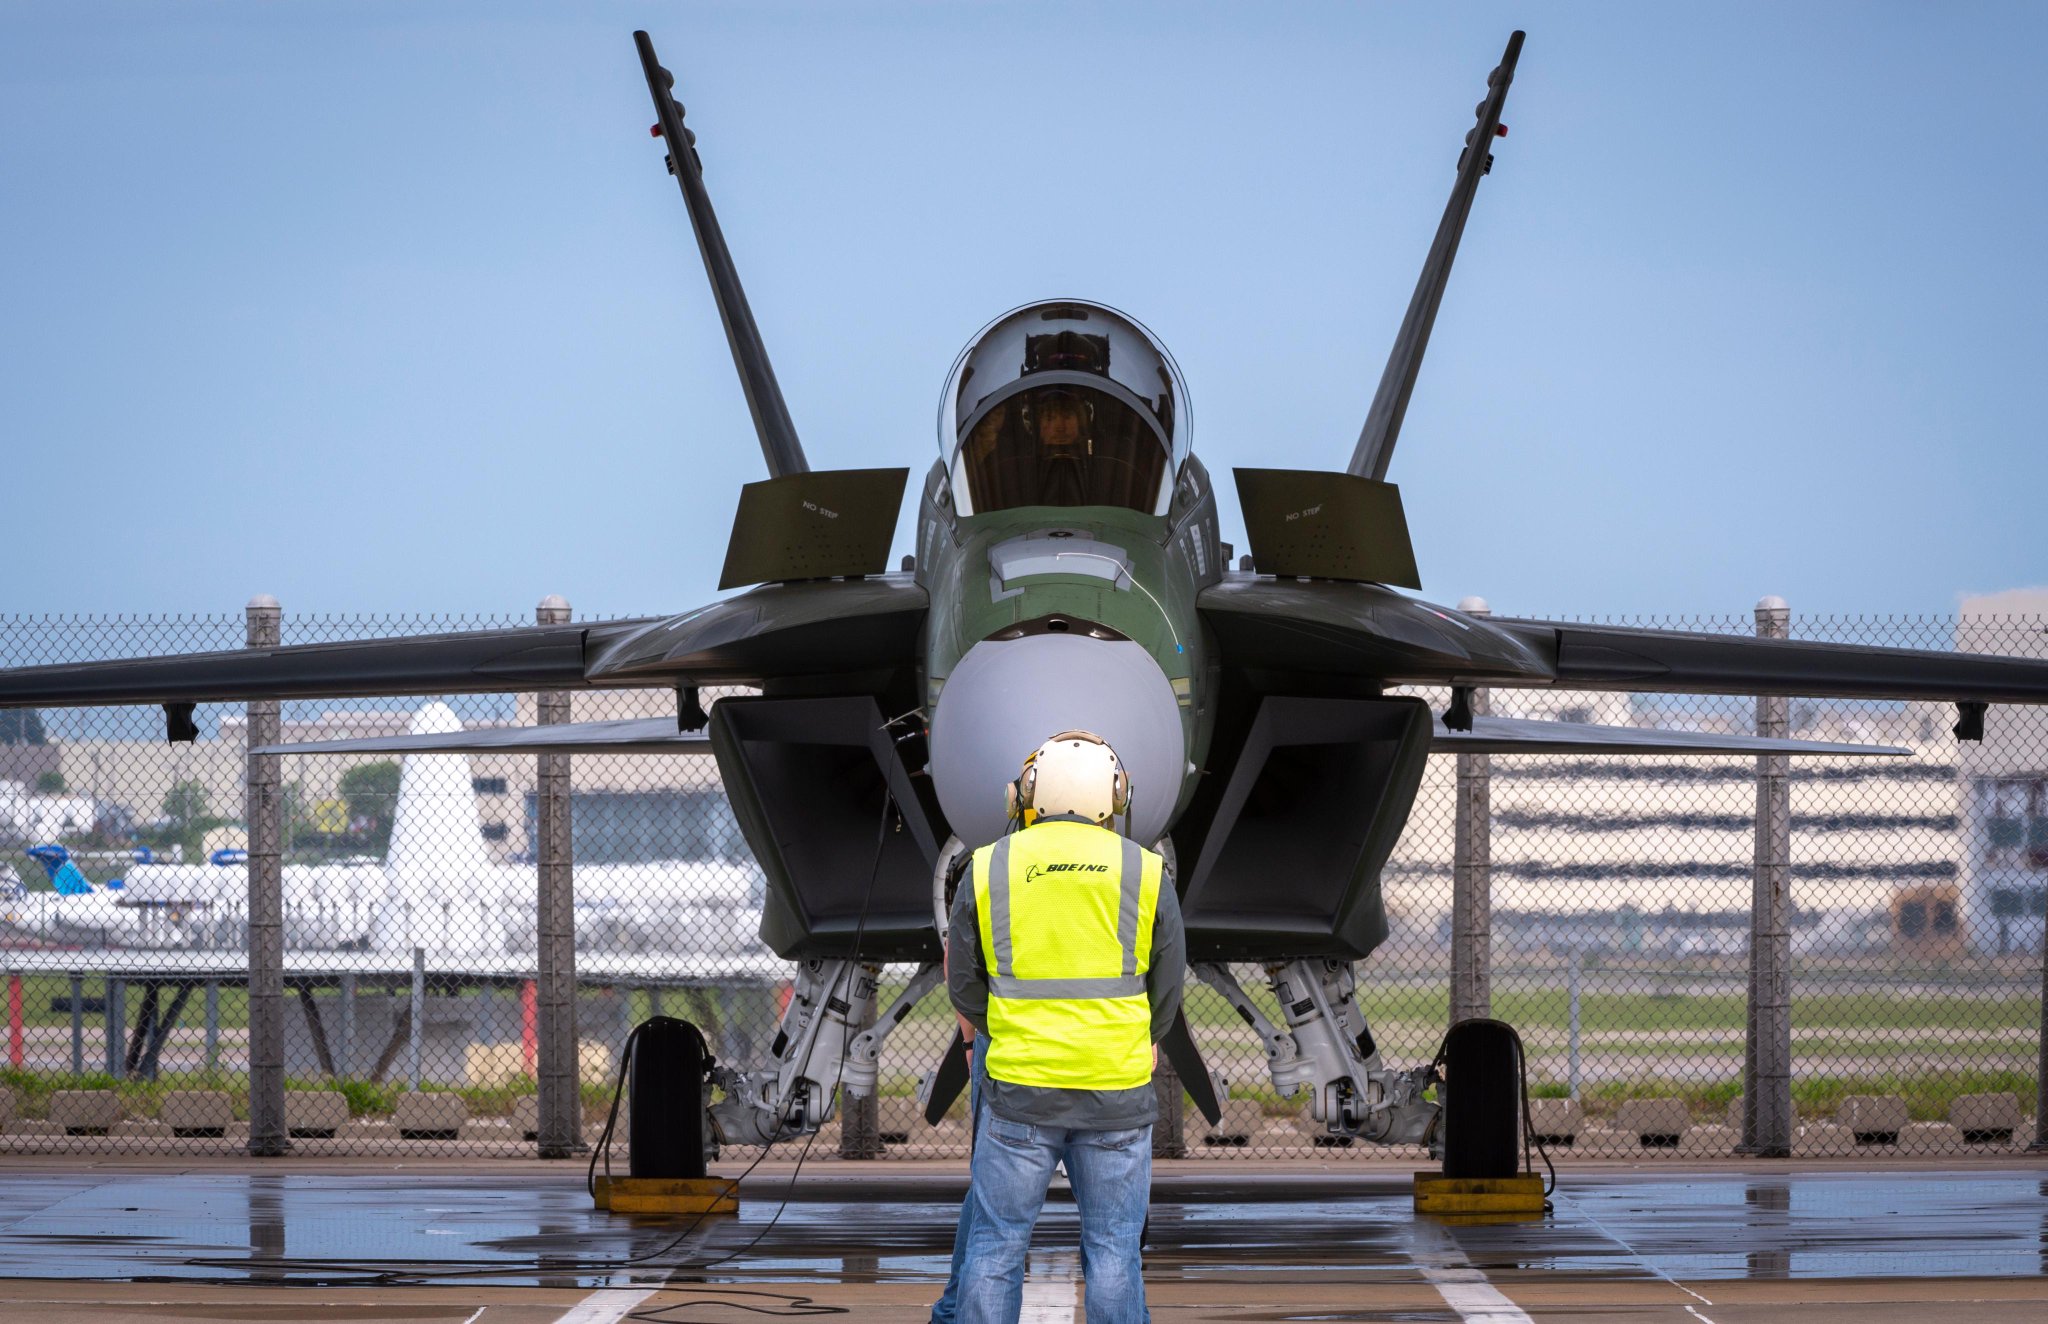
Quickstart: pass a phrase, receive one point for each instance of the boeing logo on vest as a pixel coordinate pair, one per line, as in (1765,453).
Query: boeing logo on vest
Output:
(1037,869)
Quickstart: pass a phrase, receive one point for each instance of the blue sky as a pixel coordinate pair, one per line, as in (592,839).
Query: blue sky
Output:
(390,307)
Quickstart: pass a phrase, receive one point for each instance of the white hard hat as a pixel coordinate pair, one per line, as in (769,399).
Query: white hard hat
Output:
(1075,772)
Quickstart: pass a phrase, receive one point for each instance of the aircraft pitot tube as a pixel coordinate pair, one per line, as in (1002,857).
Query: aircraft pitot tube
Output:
(1327,1050)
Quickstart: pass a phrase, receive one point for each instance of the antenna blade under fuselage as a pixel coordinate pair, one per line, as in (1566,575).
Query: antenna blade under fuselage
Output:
(779,444)
(1390,402)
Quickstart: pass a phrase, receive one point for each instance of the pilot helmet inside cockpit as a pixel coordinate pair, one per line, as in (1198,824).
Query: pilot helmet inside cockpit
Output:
(1063,404)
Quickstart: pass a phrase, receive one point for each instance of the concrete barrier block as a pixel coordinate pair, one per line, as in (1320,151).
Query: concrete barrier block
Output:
(7,1107)
(1317,1133)
(526,1117)
(33,1126)
(197,1114)
(1556,1121)
(497,1129)
(139,1128)
(593,1123)
(237,1132)
(1930,1138)
(1874,1119)
(430,1116)
(1656,1123)
(367,1128)
(1735,1116)
(1712,1139)
(1817,1138)
(896,1119)
(1241,1120)
(315,1114)
(494,1064)
(1596,1140)
(85,1112)
(1986,1119)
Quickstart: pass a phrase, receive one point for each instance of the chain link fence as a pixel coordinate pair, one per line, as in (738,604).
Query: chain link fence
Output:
(1620,923)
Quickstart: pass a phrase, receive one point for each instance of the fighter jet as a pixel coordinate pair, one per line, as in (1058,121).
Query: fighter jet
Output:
(1068,572)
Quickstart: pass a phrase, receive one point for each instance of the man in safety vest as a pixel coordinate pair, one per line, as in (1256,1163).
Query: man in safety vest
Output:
(1065,952)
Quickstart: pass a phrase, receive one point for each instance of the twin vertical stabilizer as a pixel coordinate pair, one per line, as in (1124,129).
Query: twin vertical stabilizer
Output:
(1390,402)
(779,444)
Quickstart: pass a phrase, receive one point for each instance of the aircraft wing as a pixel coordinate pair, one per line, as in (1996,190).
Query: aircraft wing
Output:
(1331,627)
(1611,657)
(821,627)
(1319,627)
(477,661)
(1513,735)
(640,735)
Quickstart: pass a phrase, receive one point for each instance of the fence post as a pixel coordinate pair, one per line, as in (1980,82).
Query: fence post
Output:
(263,810)
(212,1026)
(1767,1044)
(2040,1144)
(416,1017)
(559,1122)
(14,1044)
(1472,872)
(345,1030)
(1573,978)
(116,1016)
(78,1024)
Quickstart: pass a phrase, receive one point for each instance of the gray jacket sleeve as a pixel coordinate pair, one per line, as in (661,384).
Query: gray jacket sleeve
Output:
(966,972)
(1169,967)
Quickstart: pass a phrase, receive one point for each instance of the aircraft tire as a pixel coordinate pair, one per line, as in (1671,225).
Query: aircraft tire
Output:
(1482,1100)
(664,1105)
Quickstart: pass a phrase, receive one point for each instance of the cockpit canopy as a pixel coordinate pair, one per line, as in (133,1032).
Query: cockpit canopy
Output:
(1064,403)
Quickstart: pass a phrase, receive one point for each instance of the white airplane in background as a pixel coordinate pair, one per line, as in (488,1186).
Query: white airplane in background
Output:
(438,889)
(75,913)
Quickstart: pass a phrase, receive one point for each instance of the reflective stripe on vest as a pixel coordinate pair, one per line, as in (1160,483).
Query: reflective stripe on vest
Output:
(1067,1004)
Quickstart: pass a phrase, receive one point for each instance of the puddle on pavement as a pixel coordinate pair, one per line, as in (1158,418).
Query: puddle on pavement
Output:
(281,1229)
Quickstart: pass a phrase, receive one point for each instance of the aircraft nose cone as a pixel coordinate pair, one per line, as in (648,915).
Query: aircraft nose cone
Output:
(1004,700)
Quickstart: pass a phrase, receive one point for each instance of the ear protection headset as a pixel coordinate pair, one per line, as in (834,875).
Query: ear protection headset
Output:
(1020,796)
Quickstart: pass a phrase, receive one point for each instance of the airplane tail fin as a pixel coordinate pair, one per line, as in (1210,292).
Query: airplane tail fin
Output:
(436,832)
(1390,402)
(779,444)
(65,878)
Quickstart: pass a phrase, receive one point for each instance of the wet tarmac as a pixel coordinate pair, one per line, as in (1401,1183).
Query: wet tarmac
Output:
(1260,1239)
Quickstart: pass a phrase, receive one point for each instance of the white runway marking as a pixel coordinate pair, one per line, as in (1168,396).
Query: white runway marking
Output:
(1051,1288)
(1463,1288)
(607,1305)
(1602,1229)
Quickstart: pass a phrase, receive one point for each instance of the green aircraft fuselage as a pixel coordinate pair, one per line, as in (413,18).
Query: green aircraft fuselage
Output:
(1130,576)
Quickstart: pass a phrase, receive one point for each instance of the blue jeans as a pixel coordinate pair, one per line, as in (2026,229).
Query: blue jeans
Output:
(1111,1172)
(948,1308)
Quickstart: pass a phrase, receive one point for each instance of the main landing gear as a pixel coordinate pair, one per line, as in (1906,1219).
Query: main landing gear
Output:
(1326,1049)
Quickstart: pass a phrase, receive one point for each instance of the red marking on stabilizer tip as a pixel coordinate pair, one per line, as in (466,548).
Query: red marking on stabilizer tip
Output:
(654,130)
(1500,130)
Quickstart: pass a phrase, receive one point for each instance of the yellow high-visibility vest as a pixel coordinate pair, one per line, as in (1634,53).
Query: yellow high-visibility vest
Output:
(1066,914)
